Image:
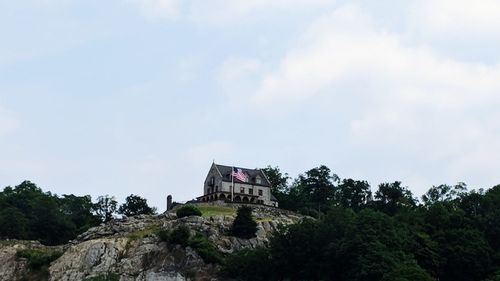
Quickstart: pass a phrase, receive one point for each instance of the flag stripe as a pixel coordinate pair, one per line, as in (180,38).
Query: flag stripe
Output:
(238,173)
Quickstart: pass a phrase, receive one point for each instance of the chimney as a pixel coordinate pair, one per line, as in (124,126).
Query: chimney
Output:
(169,202)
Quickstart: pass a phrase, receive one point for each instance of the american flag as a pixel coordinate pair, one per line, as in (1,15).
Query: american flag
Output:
(238,173)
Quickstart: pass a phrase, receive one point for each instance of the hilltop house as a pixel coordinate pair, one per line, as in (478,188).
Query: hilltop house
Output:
(235,184)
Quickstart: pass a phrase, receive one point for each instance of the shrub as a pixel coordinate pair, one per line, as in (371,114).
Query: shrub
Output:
(188,210)
(244,226)
(207,251)
(38,258)
(180,235)
(164,235)
(250,264)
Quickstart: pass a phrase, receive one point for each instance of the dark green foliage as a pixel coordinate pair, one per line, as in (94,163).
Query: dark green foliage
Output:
(38,263)
(38,258)
(180,235)
(80,211)
(244,226)
(26,212)
(105,277)
(408,271)
(164,235)
(392,197)
(250,265)
(390,238)
(188,210)
(135,205)
(205,249)
(353,194)
(105,207)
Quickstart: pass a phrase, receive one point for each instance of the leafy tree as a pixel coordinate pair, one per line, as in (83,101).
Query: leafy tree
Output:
(13,224)
(135,205)
(79,209)
(390,197)
(443,193)
(244,226)
(278,180)
(407,271)
(105,207)
(353,194)
(317,187)
(251,265)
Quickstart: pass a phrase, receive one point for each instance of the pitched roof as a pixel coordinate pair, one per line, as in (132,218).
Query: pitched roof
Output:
(252,173)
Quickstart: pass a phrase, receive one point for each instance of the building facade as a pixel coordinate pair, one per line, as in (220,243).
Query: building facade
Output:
(226,183)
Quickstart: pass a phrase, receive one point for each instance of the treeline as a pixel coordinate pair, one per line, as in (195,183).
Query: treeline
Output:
(29,213)
(451,234)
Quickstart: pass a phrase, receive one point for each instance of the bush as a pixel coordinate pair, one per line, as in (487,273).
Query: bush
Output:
(180,235)
(38,258)
(254,264)
(244,226)
(164,235)
(188,210)
(205,249)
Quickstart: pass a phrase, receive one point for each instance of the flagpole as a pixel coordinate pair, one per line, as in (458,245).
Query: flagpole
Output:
(232,184)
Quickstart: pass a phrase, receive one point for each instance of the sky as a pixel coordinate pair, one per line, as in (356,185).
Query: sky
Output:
(125,97)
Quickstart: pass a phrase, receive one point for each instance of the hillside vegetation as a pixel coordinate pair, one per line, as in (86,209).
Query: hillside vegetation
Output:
(347,230)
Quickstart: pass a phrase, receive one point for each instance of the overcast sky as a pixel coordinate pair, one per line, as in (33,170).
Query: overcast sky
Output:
(140,96)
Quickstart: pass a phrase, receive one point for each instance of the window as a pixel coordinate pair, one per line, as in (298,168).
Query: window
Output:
(242,190)
(216,188)
(250,191)
(258,180)
(260,192)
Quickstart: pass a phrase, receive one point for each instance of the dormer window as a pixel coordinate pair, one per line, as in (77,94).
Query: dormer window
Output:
(258,180)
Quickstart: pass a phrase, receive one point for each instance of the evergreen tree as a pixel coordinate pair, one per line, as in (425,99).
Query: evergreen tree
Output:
(244,225)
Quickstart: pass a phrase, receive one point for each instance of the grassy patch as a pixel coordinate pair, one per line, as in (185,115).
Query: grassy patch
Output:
(208,211)
(147,231)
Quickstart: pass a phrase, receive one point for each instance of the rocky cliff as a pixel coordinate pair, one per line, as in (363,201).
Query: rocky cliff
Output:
(130,249)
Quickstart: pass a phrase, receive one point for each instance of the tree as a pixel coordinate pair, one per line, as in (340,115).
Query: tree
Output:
(244,225)
(317,187)
(353,194)
(390,197)
(79,209)
(444,192)
(13,224)
(105,207)
(278,180)
(135,205)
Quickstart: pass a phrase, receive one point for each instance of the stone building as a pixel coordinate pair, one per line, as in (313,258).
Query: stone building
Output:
(226,183)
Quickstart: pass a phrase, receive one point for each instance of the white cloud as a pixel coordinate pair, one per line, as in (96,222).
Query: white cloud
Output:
(457,15)
(415,101)
(223,11)
(159,9)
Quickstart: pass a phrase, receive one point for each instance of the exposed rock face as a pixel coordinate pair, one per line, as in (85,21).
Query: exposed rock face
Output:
(130,248)
(10,267)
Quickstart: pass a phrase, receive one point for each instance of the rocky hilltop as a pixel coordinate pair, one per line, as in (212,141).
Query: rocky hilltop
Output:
(131,249)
